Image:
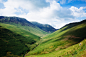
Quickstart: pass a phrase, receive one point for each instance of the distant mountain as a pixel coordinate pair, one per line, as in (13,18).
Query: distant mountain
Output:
(45,27)
(16,20)
(24,24)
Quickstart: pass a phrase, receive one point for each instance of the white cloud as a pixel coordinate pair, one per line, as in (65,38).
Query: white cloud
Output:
(61,1)
(78,12)
(42,11)
(53,15)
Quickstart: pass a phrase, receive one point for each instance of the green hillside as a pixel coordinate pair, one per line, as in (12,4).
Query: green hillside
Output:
(15,41)
(24,24)
(45,27)
(63,43)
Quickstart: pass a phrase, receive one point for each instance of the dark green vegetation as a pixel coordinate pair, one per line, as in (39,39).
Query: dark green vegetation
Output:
(11,42)
(24,24)
(69,41)
(44,27)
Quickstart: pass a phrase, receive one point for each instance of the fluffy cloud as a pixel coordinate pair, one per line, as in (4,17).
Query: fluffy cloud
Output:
(13,6)
(78,12)
(42,11)
(53,15)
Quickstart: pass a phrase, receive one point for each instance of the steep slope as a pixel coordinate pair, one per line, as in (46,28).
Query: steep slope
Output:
(57,43)
(45,27)
(24,24)
(14,42)
(73,24)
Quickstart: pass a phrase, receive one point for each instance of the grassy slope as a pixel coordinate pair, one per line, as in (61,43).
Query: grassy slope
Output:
(76,50)
(20,31)
(24,24)
(60,41)
(15,40)
(34,30)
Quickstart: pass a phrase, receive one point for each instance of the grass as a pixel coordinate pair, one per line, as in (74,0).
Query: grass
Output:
(27,38)
(53,44)
(12,42)
(15,41)
(20,31)
(35,31)
(32,29)
(72,51)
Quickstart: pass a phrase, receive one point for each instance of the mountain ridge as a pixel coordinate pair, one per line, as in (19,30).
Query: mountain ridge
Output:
(24,24)
(73,24)
(16,20)
(45,27)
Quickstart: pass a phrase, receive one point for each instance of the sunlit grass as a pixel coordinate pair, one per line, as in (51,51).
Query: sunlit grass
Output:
(73,51)
(60,43)
(34,30)
(19,30)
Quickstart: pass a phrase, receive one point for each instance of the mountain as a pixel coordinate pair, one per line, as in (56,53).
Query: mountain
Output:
(73,24)
(21,38)
(17,36)
(16,20)
(69,41)
(15,41)
(24,24)
(45,27)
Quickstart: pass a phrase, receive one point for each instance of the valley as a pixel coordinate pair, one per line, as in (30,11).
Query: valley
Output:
(21,38)
(63,42)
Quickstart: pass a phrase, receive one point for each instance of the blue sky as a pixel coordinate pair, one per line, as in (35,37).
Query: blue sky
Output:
(54,12)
